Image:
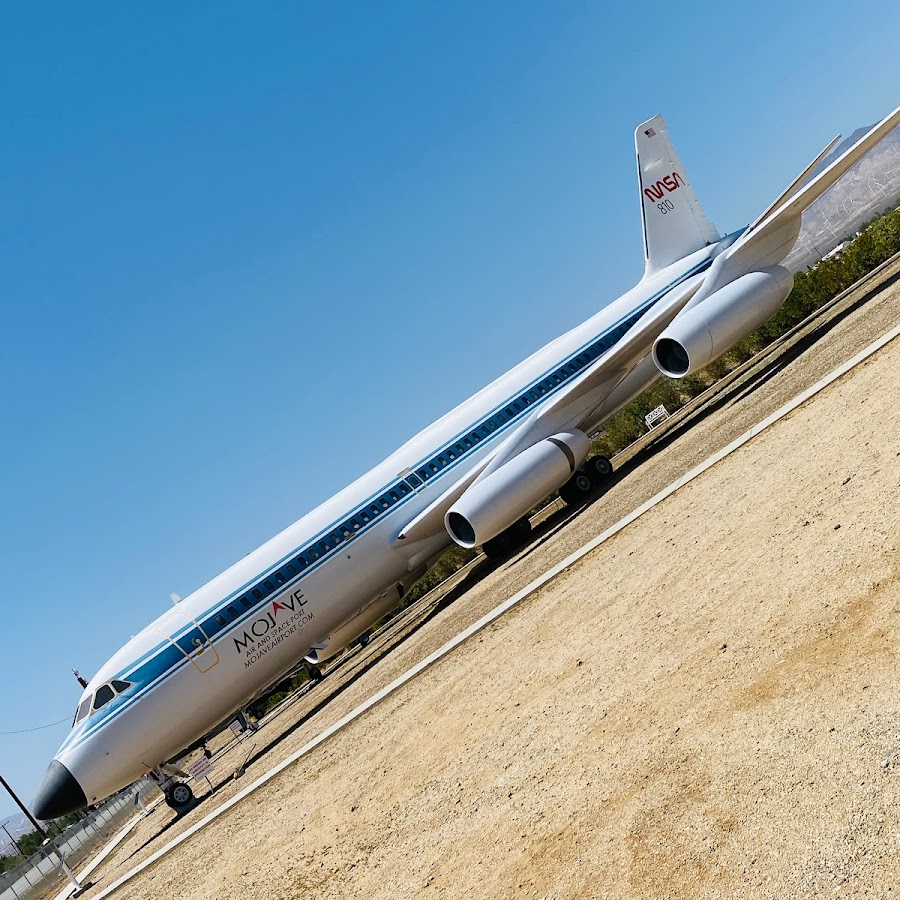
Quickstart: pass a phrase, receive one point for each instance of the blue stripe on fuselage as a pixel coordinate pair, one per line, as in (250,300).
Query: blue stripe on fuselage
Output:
(163,660)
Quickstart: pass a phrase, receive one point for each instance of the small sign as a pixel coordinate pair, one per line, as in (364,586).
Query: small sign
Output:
(237,728)
(201,768)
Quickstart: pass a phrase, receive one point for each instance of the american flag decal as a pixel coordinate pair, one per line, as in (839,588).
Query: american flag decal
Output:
(650,132)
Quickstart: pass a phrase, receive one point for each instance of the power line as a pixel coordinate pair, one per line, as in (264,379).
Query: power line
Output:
(36,728)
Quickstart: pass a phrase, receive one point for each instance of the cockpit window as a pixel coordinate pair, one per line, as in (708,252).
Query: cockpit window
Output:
(121,686)
(83,709)
(103,696)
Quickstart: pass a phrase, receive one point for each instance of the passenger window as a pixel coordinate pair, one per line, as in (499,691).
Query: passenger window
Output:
(221,620)
(301,561)
(404,488)
(375,509)
(245,601)
(268,586)
(451,454)
(280,577)
(460,448)
(313,553)
(232,612)
(257,593)
(291,569)
(103,696)
(323,545)
(364,515)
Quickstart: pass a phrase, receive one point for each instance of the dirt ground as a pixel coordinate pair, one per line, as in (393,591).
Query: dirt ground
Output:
(707,705)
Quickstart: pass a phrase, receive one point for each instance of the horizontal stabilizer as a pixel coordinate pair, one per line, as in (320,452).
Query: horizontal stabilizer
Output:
(793,207)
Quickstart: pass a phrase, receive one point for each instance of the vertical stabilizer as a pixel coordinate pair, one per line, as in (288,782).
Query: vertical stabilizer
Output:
(674,222)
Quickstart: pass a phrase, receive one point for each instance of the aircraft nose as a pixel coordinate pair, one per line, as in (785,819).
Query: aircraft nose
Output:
(58,794)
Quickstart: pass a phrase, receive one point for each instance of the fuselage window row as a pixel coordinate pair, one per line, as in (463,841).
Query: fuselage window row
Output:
(355,523)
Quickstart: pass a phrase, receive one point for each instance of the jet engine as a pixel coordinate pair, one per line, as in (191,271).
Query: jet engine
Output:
(503,497)
(705,331)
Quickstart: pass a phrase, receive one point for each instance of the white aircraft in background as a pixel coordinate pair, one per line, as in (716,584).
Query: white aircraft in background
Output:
(471,477)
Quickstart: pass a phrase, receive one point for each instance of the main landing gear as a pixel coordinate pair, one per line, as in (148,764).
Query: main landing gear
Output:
(314,673)
(504,543)
(586,482)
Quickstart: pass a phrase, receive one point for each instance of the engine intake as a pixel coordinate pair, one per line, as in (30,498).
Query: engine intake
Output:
(707,330)
(503,497)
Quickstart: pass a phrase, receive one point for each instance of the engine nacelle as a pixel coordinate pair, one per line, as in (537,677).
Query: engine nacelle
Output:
(503,497)
(717,323)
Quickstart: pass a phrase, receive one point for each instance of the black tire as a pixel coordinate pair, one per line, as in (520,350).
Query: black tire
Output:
(503,544)
(578,489)
(521,529)
(179,796)
(599,469)
(315,673)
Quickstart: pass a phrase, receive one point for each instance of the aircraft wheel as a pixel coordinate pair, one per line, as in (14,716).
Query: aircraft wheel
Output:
(598,469)
(504,543)
(315,673)
(179,796)
(577,490)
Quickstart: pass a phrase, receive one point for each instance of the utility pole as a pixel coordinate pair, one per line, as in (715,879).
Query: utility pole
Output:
(15,842)
(63,865)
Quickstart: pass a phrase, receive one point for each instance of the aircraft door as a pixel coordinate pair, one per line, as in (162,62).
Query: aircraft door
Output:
(413,480)
(187,635)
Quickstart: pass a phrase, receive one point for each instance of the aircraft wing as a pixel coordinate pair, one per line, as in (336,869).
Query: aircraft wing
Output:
(574,405)
(792,207)
(569,408)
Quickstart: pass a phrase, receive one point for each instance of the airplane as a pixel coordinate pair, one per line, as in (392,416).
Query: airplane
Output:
(469,478)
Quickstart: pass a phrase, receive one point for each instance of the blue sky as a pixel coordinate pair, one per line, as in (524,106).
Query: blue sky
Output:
(249,249)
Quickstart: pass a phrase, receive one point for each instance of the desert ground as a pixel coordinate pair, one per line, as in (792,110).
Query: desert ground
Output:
(705,706)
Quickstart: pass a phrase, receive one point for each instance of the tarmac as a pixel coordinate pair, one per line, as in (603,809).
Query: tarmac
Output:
(704,703)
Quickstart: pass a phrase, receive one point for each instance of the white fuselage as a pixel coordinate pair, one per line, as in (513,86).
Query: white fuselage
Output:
(220,647)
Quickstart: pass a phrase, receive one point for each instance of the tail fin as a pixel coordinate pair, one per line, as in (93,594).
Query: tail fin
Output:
(674,222)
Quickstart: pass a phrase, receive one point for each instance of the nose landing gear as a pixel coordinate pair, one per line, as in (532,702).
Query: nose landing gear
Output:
(178,794)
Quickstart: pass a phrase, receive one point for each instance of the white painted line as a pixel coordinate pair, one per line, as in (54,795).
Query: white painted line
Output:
(504,607)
